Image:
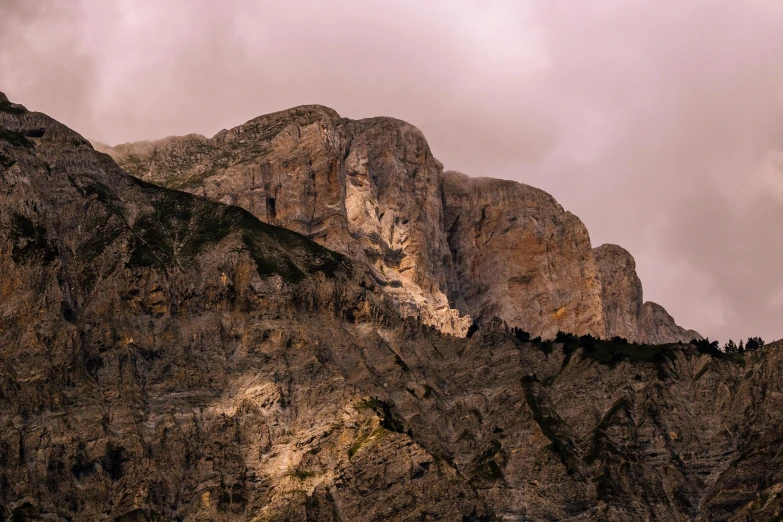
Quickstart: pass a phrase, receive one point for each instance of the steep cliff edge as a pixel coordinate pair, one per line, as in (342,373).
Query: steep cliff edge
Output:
(167,357)
(446,248)
(621,292)
(627,315)
(520,256)
(657,326)
(163,356)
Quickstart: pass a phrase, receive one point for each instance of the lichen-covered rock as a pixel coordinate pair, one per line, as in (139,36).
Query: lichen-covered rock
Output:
(520,256)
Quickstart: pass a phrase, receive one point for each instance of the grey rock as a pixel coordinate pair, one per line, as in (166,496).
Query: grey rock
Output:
(368,189)
(658,327)
(626,314)
(621,292)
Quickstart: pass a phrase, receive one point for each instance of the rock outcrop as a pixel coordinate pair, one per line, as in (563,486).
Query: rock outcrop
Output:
(446,248)
(627,315)
(657,327)
(621,292)
(369,189)
(167,357)
(520,256)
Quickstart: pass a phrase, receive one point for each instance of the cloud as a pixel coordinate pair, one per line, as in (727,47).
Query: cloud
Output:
(659,123)
(43,61)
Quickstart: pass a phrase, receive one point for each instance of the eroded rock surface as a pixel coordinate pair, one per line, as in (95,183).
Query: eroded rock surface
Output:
(166,357)
(657,326)
(520,256)
(627,316)
(621,292)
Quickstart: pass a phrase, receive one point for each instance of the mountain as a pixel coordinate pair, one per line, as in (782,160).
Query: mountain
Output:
(447,248)
(164,356)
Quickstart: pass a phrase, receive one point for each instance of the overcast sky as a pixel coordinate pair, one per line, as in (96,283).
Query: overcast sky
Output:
(659,123)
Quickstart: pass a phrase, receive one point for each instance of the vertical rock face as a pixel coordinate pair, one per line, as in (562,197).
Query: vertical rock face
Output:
(626,314)
(621,291)
(368,188)
(520,256)
(393,201)
(658,327)
(445,248)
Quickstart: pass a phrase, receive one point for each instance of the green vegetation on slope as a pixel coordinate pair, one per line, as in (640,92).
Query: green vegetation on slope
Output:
(181,226)
(14,138)
(6,106)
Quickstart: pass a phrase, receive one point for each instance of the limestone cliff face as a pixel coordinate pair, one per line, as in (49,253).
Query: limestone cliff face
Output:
(657,327)
(621,292)
(445,247)
(520,256)
(167,357)
(626,314)
(368,188)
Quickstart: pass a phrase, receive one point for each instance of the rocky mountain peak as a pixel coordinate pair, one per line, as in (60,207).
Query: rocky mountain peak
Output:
(449,248)
(621,292)
(164,356)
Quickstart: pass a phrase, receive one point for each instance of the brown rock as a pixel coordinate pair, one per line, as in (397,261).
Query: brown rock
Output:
(444,248)
(519,256)
(367,188)
(621,292)
(166,357)
(658,327)
(626,314)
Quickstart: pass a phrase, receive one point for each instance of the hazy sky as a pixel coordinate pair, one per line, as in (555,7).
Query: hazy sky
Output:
(659,123)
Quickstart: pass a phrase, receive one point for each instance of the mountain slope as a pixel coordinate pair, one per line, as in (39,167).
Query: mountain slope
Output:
(163,356)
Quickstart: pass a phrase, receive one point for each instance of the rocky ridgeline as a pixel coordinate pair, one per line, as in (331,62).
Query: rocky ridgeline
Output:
(449,249)
(167,357)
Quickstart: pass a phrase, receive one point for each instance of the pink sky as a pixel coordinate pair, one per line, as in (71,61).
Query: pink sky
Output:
(659,123)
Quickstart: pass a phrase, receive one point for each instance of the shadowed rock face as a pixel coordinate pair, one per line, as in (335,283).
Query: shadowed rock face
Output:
(166,357)
(163,356)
